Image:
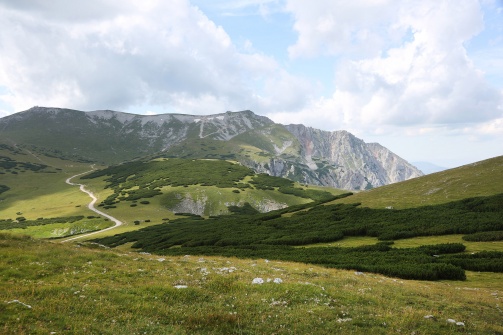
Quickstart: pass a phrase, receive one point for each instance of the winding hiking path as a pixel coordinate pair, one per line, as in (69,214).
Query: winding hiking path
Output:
(91,207)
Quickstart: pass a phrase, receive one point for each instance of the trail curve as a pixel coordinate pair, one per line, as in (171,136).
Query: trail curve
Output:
(91,207)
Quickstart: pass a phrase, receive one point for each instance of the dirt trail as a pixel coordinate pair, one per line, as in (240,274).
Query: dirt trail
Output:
(91,207)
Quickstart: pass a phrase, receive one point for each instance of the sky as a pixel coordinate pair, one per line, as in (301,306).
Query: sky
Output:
(424,78)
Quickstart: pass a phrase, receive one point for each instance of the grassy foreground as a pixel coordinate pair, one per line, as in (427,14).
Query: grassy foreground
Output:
(54,288)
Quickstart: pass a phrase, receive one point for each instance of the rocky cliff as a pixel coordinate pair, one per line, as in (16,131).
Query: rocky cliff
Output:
(347,162)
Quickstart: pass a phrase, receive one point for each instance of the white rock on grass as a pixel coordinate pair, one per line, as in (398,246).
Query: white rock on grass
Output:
(277,280)
(180,286)
(341,320)
(457,323)
(258,281)
(19,302)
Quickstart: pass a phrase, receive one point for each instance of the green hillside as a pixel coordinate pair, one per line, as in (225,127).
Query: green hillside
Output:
(278,234)
(35,200)
(482,178)
(203,187)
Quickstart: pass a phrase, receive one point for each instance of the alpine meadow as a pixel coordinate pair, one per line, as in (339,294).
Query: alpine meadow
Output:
(234,224)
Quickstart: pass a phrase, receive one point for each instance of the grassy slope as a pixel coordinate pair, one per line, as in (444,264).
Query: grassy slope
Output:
(73,289)
(44,194)
(478,179)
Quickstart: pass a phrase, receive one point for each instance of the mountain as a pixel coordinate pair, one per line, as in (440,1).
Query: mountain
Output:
(113,137)
(297,152)
(345,161)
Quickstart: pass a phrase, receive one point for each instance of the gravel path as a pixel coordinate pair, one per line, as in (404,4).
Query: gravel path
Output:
(91,207)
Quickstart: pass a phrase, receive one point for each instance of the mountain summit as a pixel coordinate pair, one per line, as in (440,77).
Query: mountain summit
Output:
(297,152)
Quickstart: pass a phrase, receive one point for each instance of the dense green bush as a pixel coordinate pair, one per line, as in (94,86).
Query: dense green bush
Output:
(491,261)
(8,163)
(485,236)
(246,233)
(23,223)
(4,188)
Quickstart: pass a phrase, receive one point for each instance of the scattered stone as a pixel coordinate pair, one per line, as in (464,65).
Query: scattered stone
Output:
(258,281)
(457,323)
(341,320)
(180,286)
(277,280)
(19,302)
(161,259)
(430,317)
(358,273)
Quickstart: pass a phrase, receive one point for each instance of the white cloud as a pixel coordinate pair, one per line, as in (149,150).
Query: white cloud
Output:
(244,7)
(425,79)
(331,27)
(117,56)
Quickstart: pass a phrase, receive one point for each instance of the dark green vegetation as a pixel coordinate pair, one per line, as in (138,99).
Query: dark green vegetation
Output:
(21,222)
(484,236)
(172,172)
(9,165)
(4,188)
(273,235)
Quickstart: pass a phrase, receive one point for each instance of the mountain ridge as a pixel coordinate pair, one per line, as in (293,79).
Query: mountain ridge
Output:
(303,154)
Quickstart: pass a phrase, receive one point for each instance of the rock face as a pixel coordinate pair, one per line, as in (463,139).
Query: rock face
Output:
(348,162)
(297,152)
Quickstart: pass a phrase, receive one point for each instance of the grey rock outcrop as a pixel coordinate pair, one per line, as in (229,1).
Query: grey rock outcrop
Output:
(348,162)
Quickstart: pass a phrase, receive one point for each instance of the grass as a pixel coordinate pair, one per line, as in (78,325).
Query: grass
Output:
(72,288)
(42,194)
